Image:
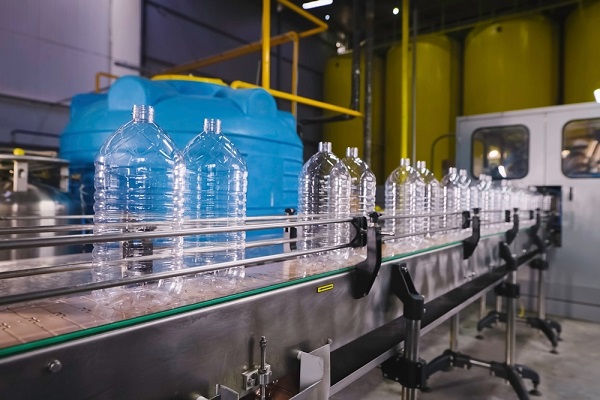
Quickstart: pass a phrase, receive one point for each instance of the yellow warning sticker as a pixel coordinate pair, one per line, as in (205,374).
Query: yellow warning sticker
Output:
(325,288)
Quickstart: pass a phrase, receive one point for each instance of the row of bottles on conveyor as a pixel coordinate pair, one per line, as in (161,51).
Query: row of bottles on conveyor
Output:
(143,184)
(419,210)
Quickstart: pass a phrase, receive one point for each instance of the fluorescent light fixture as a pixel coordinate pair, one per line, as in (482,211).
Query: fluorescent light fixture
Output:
(597,95)
(316,3)
(395,11)
(502,171)
(494,154)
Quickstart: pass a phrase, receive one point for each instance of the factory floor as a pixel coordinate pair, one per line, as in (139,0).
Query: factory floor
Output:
(574,373)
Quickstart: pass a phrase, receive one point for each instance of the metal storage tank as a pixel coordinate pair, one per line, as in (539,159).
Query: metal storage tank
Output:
(265,136)
(337,90)
(34,190)
(510,65)
(582,54)
(437,100)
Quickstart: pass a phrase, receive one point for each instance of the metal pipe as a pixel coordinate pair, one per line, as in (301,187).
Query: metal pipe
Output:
(541,292)
(482,364)
(413,121)
(482,306)
(299,99)
(511,315)
(295,62)
(368,120)
(86,287)
(266,44)
(404,94)
(411,352)
(454,325)
(10,244)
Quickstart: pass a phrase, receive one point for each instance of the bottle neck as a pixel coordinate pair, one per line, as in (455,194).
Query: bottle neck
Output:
(352,152)
(143,113)
(325,147)
(212,125)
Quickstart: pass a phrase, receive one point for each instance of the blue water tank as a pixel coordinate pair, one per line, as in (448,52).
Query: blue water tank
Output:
(264,135)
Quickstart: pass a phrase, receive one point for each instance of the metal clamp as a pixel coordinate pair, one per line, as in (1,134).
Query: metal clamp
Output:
(511,234)
(290,232)
(470,243)
(410,374)
(404,288)
(366,271)
(508,290)
(534,233)
(360,226)
(261,376)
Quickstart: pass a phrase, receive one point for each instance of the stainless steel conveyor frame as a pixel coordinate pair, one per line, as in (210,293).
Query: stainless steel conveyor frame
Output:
(322,334)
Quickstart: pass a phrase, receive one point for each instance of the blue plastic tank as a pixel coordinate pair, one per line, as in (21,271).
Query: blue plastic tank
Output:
(265,136)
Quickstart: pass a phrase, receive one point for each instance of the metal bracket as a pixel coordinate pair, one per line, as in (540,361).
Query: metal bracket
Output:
(511,234)
(508,290)
(534,233)
(539,264)
(291,232)
(366,271)
(314,374)
(466,220)
(20,175)
(252,378)
(410,374)
(360,226)
(404,288)
(507,256)
(470,243)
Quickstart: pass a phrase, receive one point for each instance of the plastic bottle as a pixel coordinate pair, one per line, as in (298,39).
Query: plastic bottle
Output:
(138,182)
(464,182)
(451,201)
(432,193)
(404,191)
(324,190)
(215,196)
(362,183)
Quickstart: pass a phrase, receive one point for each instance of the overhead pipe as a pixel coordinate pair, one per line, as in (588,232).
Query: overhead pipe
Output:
(413,121)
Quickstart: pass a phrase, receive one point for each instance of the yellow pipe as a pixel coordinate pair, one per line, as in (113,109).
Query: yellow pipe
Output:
(322,25)
(299,99)
(266,44)
(404,97)
(295,60)
(99,76)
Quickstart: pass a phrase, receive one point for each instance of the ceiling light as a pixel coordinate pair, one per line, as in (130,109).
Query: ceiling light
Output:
(494,154)
(316,3)
(327,17)
(597,95)
(395,11)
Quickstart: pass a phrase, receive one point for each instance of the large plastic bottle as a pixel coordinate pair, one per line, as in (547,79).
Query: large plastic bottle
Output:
(138,182)
(404,190)
(362,183)
(324,191)
(215,196)
(464,182)
(432,193)
(451,202)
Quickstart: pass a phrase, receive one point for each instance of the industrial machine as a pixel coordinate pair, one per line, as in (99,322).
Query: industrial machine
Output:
(555,149)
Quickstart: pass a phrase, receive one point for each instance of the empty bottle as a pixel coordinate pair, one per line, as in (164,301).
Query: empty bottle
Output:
(138,182)
(464,182)
(404,190)
(324,191)
(362,183)
(215,196)
(451,201)
(432,193)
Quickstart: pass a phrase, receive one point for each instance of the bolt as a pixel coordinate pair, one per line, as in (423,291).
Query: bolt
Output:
(54,366)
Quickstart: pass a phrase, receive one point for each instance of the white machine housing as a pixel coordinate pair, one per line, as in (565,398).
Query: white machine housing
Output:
(573,280)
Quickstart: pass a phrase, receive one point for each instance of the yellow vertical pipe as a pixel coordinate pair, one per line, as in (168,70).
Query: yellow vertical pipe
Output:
(266,44)
(295,56)
(405,87)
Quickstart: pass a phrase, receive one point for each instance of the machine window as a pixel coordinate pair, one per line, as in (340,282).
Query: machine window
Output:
(581,148)
(501,152)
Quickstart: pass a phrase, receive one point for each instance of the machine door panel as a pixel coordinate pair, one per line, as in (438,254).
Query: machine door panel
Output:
(573,162)
(511,141)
